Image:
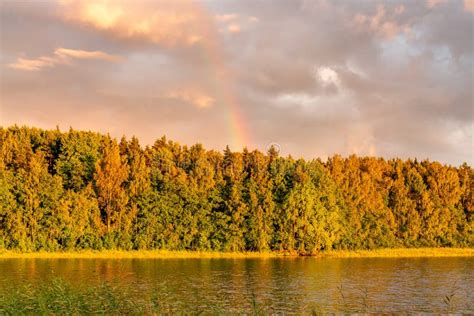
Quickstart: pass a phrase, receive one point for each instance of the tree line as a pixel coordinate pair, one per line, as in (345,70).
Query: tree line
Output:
(84,190)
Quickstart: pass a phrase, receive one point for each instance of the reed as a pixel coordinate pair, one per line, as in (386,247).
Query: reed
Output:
(138,254)
(58,297)
(402,253)
(168,254)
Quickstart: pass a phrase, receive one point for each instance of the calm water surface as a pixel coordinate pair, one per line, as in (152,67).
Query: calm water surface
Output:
(285,284)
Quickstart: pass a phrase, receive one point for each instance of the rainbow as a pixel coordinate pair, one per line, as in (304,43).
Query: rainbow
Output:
(224,84)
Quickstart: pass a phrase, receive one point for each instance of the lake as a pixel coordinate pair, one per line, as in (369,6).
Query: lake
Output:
(281,284)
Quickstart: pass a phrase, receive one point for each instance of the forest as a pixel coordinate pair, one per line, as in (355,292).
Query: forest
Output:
(76,190)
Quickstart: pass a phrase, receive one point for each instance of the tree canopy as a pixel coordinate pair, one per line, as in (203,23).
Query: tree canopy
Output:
(83,190)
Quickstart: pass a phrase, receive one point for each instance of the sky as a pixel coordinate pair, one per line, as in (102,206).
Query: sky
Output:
(318,78)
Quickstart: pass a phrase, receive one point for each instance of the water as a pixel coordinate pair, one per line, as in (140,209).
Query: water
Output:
(281,284)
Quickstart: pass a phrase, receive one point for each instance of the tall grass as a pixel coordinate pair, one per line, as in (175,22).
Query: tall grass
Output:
(401,253)
(169,254)
(137,254)
(58,297)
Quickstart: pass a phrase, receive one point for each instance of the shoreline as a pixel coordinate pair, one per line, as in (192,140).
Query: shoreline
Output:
(168,254)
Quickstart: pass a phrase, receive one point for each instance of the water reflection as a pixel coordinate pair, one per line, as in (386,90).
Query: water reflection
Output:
(285,284)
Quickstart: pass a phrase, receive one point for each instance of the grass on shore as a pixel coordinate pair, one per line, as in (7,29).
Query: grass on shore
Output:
(402,253)
(135,254)
(167,254)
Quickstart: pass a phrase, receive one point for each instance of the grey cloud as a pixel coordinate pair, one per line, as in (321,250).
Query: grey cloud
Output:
(404,85)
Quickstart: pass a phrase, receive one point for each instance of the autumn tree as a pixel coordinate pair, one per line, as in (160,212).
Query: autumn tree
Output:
(83,190)
(110,177)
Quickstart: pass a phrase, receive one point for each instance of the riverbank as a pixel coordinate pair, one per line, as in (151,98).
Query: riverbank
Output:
(402,253)
(166,254)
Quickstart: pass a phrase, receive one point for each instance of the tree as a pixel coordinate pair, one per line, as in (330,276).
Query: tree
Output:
(83,190)
(77,157)
(111,174)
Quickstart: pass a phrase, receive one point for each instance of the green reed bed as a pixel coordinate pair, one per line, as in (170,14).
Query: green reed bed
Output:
(59,297)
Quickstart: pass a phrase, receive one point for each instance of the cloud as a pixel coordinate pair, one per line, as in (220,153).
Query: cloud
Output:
(61,56)
(434,3)
(234,23)
(400,9)
(234,28)
(381,23)
(253,19)
(341,76)
(469,5)
(33,64)
(192,96)
(179,22)
(83,54)
(360,140)
(226,17)
(328,76)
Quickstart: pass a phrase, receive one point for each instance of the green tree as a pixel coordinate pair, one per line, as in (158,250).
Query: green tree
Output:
(83,190)
(110,177)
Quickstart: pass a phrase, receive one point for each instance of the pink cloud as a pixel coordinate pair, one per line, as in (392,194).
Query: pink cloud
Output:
(192,95)
(469,5)
(173,23)
(60,56)
(434,3)
(382,23)
(234,28)
(226,17)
